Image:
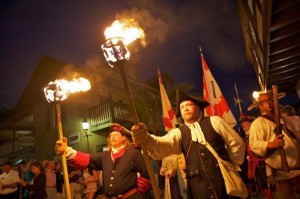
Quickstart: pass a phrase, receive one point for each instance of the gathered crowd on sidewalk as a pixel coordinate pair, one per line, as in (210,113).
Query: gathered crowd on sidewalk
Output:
(45,179)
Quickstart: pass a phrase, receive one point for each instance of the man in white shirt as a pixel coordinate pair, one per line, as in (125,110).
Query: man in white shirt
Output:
(204,178)
(51,180)
(264,142)
(8,181)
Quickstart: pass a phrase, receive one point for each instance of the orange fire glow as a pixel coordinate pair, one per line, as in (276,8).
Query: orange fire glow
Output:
(125,30)
(60,89)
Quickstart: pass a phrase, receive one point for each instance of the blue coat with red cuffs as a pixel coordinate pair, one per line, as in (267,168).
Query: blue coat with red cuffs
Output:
(119,176)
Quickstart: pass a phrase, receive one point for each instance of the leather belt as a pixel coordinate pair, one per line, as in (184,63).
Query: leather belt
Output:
(125,195)
(130,192)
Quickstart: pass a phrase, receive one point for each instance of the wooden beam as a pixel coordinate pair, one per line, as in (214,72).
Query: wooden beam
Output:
(285,18)
(252,20)
(286,55)
(266,24)
(290,72)
(259,6)
(284,5)
(292,30)
(287,79)
(285,45)
(286,63)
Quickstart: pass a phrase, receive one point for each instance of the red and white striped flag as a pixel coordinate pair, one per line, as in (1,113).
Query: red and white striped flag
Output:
(212,94)
(168,112)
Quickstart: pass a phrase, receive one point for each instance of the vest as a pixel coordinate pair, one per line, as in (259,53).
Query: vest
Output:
(201,165)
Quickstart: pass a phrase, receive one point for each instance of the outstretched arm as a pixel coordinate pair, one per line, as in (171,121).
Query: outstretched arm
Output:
(77,159)
(157,147)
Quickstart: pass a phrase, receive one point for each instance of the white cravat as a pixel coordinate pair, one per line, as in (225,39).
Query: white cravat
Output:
(116,150)
(197,133)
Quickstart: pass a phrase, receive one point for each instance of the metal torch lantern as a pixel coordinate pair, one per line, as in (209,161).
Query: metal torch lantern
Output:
(117,54)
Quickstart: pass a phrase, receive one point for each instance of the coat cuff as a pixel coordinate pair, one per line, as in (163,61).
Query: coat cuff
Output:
(70,153)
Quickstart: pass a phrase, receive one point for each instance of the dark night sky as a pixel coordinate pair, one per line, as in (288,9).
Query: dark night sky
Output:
(72,31)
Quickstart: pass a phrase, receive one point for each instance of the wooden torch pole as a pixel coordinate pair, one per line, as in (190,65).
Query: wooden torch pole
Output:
(136,122)
(63,156)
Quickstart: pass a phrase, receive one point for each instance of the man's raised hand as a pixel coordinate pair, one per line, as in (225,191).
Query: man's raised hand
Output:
(139,133)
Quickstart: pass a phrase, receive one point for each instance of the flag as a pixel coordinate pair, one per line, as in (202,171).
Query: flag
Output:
(168,112)
(212,94)
(170,122)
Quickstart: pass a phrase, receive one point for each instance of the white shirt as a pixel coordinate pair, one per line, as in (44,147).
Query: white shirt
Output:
(292,123)
(50,178)
(160,147)
(9,178)
(261,132)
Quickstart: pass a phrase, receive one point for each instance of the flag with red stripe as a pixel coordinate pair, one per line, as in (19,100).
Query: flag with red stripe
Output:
(168,112)
(212,94)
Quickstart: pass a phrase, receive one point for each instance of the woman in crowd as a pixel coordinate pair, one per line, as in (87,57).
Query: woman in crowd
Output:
(28,177)
(37,187)
(90,182)
(59,180)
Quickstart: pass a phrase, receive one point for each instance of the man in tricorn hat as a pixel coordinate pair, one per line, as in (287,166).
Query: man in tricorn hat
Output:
(264,142)
(204,178)
(120,164)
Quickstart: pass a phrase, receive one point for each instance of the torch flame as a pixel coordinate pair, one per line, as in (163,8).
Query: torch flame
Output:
(60,89)
(124,30)
(79,85)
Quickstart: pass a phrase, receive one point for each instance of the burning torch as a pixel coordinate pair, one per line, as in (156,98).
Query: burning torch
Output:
(116,53)
(56,92)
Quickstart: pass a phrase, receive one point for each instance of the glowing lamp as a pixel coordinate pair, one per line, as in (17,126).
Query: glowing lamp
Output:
(85,125)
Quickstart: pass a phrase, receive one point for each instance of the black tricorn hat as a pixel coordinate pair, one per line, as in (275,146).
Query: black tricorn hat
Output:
(182,96)
(119,128)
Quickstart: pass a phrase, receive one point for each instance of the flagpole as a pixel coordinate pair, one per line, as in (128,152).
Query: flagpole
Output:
(211,105)
(238,98)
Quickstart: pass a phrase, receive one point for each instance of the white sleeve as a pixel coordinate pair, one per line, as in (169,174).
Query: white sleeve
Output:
(235,145)
(160,147)
(16,176)
(259,136)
